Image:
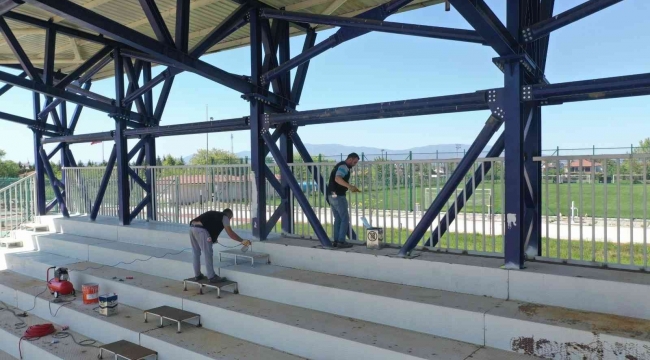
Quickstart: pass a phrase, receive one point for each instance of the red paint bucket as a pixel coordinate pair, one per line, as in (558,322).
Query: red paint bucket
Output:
(90,293)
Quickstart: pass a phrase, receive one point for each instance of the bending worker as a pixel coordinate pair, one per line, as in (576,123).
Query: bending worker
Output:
(336,189)
(204,232)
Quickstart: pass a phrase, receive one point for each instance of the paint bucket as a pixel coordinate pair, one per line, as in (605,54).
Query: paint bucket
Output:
(90,293)
(108,304)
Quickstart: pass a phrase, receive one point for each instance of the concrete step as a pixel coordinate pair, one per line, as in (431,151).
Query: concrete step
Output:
(296,330)
(541,283)
(128,324)
(13,328)
(435,312)
(457,316)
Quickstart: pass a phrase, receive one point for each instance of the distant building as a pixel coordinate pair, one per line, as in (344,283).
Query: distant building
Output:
(585,166)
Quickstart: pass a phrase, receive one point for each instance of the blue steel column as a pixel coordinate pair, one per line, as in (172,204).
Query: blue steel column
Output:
(150,144)
(63,115)
(121,149)
(38,165)
(533,140)
(286,143)
(515,232)
(258,207)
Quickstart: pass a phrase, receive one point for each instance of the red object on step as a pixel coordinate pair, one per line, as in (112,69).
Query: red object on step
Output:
(59,285)
(36,332)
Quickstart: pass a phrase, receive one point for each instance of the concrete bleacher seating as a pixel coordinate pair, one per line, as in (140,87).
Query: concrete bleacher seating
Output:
(342,304)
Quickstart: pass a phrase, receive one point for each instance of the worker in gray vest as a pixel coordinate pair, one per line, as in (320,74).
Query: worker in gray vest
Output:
(204,232)
(337,188)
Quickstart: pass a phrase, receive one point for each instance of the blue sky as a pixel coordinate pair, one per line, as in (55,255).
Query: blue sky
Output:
(383,67)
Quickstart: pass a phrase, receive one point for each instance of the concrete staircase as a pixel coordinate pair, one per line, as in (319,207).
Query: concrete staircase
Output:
(342,304)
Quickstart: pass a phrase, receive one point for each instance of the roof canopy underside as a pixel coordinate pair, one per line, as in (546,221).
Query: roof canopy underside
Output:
(204,16)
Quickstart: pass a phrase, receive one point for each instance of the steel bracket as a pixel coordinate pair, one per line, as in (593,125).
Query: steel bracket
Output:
(528,64)
(495,103)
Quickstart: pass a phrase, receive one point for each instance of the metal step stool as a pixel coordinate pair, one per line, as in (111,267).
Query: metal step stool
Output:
(206,283)
(246,255)
(172,314)
(127,350)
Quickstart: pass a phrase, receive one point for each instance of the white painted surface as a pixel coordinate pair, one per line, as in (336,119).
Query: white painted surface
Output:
(410,308)
(576,291)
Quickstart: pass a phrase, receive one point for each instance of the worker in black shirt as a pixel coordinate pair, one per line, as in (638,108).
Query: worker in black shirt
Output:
(337,187)
(204,232)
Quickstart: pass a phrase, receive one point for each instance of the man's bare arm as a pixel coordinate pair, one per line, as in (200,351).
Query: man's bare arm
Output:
(339,180)
(233,235)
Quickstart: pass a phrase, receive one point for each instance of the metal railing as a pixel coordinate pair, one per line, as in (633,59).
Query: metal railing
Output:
(595,209)
(394,196)
(17,205)
(594,214)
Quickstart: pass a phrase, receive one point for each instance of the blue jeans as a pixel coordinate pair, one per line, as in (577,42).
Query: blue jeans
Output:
(339,207)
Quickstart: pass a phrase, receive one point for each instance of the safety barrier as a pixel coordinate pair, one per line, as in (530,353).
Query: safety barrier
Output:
(594,208)
(16,205)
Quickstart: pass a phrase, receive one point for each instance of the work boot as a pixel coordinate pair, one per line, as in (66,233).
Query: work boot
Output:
(344,245)
(199,278)
(335,244)
(216,279)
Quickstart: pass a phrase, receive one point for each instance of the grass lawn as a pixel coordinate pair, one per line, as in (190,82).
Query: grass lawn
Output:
(477,242)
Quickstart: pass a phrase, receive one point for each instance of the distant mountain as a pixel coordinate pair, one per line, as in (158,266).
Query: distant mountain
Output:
(336,151)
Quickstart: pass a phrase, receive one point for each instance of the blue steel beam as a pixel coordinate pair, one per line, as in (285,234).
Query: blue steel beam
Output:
(121,151)
(491,126)
(157,22)
(39,87)
(285,172)
(162,99)
(479,15)
(457,206)
(77,73)
(450,103)
(77,110)
(149,151)
(545,27)
(182,25)
(286,143)
(284,55)
(138,146)
(279,211)
(18,51)
(138,209)
(25,121)
(38,164)
(342,35)
(83,17)
(133,84)
(301,73)
(63,111)
(8,87)
(377,25)
(270,176)
(233,22)
(134,175)
(48,70)
(632,85)
(53,182)
(270,43)
(81,79)
(318,177)
(519,216)
(103,185)
(258,212)
(54,151)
